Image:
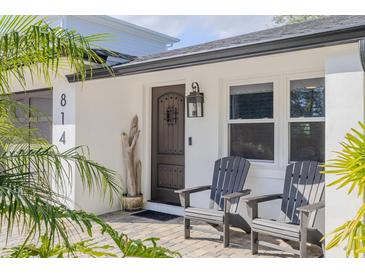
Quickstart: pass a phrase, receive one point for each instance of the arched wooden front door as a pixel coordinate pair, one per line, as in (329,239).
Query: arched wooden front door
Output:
(168,138)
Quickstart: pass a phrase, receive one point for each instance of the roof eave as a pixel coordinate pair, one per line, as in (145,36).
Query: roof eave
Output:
(334,37)
(127,26)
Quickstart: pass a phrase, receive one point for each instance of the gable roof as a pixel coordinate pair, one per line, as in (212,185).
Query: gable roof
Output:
(325,24)
(330,30)
(115,23)
(129,27)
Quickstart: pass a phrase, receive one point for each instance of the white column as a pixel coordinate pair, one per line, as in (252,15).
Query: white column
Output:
(63,135)
(344,108)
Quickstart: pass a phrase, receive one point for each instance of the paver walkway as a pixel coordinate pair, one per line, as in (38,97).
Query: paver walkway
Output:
(201,244)
(170,232)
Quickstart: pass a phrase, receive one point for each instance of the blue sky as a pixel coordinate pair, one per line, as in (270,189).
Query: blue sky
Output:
(195,29)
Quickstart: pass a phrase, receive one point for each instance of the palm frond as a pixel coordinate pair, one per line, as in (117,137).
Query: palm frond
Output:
(30,46)
(88,247)
(47,164)
(350,168)
(36,209)
(35,176)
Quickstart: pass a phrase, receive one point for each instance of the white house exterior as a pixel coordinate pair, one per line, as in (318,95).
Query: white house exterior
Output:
(125,37)
(324,53)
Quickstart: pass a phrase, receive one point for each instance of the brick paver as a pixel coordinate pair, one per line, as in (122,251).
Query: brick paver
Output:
(170,233)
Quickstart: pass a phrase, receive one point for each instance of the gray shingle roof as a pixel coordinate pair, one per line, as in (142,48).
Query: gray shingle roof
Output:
(328,23)
(327,31)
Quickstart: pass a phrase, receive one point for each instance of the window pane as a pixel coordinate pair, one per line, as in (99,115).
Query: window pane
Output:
(44,130)
(307,141)
(251,101)
(252,141)
(42,104)
(21,114)
(307,98)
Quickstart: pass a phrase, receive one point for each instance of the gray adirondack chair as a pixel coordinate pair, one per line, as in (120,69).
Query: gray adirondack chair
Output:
(225,192)
(302,197)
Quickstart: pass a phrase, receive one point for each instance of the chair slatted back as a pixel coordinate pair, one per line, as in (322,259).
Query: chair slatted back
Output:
(304,185)
(229,176)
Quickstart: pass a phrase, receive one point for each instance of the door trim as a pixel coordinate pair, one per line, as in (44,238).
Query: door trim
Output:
(147,131)
(167,158)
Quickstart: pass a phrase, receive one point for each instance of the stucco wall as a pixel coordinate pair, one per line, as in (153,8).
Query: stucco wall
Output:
(105,107)
(99,110)
(344,109)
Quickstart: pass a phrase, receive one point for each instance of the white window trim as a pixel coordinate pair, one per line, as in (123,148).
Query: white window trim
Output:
(39,93)
(276,116)
(281,117)
(288,119)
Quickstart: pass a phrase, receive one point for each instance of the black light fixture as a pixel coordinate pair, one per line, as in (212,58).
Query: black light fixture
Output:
(195,101)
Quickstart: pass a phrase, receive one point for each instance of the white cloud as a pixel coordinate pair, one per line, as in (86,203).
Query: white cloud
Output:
(225,26)
(167,24)
(220,26)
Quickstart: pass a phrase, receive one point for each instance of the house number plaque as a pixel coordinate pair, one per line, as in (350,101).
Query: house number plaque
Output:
(64,117)
(64,128)
(63,104)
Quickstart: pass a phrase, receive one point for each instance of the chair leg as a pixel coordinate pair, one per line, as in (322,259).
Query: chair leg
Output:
(303,249)
(303,246)
(225,234)
(186,228)
(253,212)
(323,246)
(303,234)
(254,245)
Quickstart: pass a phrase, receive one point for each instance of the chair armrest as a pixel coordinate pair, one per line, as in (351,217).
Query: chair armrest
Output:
(229,197)
(304,212)
(193,189)
(312,207)
(184,194)
(263,198)
(236,194)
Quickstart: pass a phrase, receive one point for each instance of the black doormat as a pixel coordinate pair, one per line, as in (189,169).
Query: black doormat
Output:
(154,215)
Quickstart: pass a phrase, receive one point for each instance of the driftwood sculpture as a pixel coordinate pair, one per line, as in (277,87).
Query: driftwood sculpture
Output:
(133,168)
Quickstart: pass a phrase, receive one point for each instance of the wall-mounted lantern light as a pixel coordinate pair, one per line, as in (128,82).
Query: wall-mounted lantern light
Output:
(195,101)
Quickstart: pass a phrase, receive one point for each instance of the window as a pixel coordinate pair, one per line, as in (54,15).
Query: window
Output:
(306,121)
(307,141)
(42,102)
(251,101)
(307,98)
(251,123)
(253,141)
